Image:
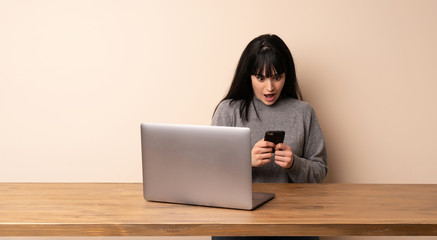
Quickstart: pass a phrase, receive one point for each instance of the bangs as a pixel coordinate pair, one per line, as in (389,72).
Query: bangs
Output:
(268,63)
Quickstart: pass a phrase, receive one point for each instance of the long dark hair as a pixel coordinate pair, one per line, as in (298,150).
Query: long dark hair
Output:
(265,55)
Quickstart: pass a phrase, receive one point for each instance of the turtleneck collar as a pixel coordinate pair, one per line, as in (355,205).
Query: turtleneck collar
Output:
(259,105)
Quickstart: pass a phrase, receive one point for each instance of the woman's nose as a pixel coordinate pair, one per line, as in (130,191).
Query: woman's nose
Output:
(270,86)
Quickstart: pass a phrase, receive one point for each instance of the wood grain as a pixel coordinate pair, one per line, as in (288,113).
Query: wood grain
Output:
(117,209)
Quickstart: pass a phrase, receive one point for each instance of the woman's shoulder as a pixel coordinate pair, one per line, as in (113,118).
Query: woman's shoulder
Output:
(228,105)
(298,104)
(226,113)
(303,108)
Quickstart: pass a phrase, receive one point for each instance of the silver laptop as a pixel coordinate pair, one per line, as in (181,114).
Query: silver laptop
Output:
(199,165)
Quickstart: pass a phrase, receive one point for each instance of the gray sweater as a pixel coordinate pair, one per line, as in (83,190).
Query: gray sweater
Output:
(302,134)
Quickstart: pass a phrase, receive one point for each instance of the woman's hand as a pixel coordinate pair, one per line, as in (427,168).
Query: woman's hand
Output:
(261,153)
(283,156)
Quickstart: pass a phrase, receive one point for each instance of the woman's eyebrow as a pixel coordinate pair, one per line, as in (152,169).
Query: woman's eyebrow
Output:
(273,75)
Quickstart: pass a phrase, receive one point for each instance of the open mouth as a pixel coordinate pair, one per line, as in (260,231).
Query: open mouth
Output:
(269,97)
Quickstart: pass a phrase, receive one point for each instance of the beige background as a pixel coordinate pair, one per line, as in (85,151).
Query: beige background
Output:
(78,77)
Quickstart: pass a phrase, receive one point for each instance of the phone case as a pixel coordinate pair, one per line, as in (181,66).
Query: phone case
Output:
(275,136)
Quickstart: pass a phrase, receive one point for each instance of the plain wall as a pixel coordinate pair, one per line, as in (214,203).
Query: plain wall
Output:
(78,77)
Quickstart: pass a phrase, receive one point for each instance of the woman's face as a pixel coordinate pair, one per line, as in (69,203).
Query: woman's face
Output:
(269,89)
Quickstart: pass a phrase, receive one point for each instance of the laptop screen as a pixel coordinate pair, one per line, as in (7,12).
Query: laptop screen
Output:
(201,165)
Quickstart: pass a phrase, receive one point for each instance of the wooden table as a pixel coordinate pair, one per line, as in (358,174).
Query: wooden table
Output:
(117,209)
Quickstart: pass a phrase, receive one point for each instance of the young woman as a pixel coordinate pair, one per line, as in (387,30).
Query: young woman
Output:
(264,95)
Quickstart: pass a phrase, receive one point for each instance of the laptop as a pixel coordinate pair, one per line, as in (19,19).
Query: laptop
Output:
(199,165)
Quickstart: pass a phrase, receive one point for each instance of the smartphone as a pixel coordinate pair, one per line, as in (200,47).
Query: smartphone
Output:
(274,137)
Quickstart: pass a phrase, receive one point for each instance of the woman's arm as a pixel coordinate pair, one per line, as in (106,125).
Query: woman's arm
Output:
(312,166)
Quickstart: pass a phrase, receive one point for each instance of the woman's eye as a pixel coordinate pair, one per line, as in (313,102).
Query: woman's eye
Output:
(260,78)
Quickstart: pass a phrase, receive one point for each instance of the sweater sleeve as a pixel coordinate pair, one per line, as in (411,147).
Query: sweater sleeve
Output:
(311,167)
(224,115)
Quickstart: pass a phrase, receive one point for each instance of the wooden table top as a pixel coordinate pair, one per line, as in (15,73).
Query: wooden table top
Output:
(118,209)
